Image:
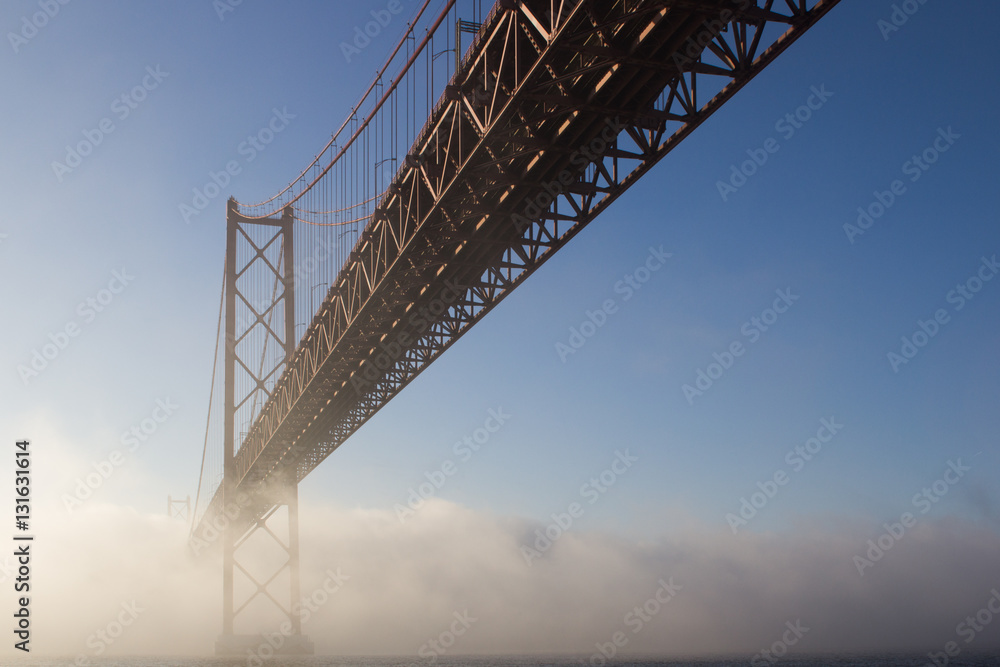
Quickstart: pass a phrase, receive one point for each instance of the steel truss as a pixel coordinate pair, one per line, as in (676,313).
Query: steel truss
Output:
(558,108)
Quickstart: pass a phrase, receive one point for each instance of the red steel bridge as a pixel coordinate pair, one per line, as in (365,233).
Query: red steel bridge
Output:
(488,140)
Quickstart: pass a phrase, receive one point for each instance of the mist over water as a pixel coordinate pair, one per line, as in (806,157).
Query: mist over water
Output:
(112,581)
(860,660)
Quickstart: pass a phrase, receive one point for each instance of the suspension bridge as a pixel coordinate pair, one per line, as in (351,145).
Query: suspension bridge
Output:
(491,136)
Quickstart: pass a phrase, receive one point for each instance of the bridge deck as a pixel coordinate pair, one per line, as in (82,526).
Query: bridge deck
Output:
(549,120)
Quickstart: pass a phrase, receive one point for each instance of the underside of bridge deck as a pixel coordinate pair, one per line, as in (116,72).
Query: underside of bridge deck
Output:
(557,109)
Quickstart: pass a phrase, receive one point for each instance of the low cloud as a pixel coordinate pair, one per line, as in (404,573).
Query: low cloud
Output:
(375,585)
(404,583)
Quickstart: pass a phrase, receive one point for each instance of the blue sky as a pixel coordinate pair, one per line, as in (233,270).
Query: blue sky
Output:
(826,357)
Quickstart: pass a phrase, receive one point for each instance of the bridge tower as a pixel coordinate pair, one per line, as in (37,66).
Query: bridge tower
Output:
(179,509)
(260,341)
